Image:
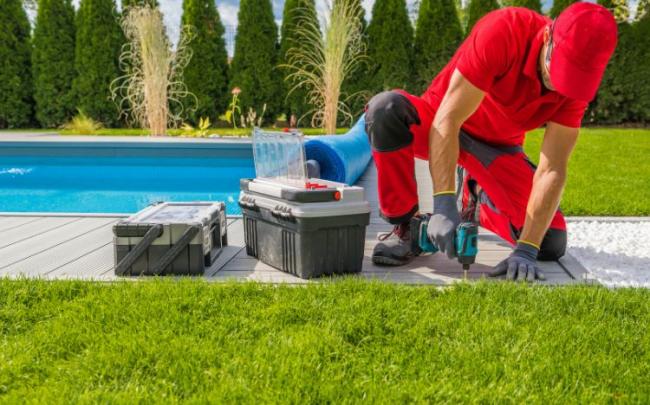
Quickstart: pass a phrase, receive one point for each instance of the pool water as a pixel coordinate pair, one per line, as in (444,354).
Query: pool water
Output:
(108,184)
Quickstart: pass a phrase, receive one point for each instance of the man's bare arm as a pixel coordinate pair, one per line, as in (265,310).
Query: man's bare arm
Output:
(459,103)
(549,180)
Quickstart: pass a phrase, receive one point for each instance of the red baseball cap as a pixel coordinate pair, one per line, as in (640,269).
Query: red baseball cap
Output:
(584,37)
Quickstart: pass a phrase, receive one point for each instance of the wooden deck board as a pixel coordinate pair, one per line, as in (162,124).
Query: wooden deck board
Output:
(8,223)
(81,248)
(57,257)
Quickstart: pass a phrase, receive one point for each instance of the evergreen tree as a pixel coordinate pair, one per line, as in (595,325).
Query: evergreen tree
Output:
(296,13)
(206,74)
(254,63)
(98,44)
(477,9)
(535,5)
(131,3)
(641,71)
(618,8)
(53,62)
(559,5)
(390,44)
(642,10)
(438,33)
(15,66)
(357,84)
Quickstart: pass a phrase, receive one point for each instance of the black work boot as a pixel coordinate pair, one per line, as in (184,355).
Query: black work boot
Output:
(394,248)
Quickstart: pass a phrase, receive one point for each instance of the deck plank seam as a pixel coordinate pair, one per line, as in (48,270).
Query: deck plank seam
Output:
(53,228)
(55,245)
(77,258)
(11,228)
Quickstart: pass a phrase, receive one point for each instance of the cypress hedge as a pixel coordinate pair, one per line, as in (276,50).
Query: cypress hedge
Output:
(642,10)
(624,94)
(131,3)
(535,5)
(206,75)
(16,104)
(559,5)
(390,46)
(438,33)
(477,9)
(296,12)
(53,62)
(254,63)
(358,81)
(98,43)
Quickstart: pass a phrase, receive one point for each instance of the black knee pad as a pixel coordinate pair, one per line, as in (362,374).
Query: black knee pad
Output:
(389,116)
(553,246)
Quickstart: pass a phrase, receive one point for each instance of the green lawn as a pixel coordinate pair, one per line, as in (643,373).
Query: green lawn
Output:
(608,173)
(340,342)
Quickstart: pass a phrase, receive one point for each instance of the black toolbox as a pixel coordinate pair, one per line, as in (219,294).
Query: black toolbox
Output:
(309,232)
(180,238)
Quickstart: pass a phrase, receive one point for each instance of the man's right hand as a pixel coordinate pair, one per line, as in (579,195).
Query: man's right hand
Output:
(443,223)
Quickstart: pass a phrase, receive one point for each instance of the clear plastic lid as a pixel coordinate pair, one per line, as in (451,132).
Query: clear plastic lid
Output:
(280,157)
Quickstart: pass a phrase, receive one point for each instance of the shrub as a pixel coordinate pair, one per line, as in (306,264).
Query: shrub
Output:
(15,66)
(82,124)
(206,75)
(477,9)
(97,50)
(325,61)
(151,92)
(438,34)
(390,46)
(256,54)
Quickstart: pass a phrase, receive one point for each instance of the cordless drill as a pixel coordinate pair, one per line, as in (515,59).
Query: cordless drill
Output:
(466,240)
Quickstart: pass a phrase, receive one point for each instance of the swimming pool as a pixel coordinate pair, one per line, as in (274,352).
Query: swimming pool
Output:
(119,177)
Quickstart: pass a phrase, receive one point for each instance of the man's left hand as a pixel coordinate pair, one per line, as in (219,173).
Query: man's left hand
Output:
(521,265)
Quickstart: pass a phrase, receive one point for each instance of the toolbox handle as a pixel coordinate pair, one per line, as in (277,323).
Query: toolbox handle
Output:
(281,211)
(175,250)
(125,264)
(248,202)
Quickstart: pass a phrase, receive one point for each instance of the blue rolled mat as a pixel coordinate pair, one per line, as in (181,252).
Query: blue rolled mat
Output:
(342,158)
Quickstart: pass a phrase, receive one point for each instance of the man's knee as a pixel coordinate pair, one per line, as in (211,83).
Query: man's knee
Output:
(553,246)
(389,116)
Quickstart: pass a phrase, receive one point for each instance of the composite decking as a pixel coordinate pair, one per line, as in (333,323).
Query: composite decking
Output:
(81,247)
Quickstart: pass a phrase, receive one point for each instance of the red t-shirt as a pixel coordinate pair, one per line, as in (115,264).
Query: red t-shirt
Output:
(500,56)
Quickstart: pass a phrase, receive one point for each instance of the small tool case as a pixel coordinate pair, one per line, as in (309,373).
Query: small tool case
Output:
(307,231)
(180,238)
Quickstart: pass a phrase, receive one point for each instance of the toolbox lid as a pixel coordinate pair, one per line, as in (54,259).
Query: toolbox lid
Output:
(178,213)
(297,202)
(280,156)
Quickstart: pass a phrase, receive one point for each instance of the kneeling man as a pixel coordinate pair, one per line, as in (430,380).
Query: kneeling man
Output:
(516,71)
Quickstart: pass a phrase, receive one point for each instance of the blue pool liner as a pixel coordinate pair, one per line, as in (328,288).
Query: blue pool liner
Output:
(342,158)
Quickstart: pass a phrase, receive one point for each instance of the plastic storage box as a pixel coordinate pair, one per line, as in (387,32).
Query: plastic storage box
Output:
(181,238)
(310,231)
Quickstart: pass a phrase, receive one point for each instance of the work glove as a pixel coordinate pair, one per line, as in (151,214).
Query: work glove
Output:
(443,223)
(521,265)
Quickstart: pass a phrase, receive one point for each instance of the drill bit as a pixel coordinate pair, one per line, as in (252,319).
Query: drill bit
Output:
(465,270)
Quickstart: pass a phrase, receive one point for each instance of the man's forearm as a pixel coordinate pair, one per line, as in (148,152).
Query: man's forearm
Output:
(443,155)
(544,200)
